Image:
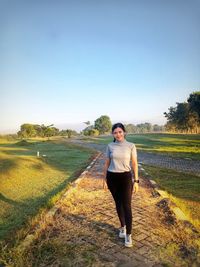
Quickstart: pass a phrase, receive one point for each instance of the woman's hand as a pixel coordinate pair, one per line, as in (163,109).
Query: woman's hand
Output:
(105,184)
(135,187)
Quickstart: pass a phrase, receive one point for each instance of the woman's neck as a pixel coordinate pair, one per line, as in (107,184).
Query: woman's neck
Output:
(121,141)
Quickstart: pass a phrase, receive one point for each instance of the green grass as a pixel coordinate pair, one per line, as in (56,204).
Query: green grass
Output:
(174,145)
(187,146)
(29,183)
(182,188)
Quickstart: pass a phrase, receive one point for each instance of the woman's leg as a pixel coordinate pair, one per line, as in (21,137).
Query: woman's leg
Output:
(114,187)
(127,188)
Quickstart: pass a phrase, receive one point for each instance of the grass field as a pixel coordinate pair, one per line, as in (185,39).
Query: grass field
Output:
(29,183)
(174,145)
(182,188)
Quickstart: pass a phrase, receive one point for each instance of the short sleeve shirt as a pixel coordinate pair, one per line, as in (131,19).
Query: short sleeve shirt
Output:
(120,154)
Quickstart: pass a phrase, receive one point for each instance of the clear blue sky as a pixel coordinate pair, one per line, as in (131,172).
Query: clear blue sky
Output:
(66,62)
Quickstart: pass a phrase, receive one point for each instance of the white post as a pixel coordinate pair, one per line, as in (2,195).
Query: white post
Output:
(38,153)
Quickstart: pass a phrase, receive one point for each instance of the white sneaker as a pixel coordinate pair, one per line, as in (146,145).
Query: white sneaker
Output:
(128,241)
(122,232)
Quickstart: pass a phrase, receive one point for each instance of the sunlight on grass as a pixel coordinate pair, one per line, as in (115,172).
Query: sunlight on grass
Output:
(182,188)
(29,182)
(174,145)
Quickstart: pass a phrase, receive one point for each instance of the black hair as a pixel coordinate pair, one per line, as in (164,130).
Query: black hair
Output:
(116,125)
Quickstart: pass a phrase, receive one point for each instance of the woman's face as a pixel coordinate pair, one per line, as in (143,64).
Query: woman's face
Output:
(118,134)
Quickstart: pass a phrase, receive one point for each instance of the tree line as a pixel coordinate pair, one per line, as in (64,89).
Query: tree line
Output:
(185,117)
(103,125)
(36,130)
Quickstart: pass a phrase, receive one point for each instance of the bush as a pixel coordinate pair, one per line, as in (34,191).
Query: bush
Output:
(23,143)
(91,132)
(94,132)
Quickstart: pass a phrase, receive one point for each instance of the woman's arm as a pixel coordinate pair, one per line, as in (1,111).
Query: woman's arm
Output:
(135,169)
(106,165)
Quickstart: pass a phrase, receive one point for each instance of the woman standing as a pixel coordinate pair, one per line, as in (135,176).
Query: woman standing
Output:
(118,178)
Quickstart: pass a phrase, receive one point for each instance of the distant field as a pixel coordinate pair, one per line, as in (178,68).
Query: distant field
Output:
(174,145)
(28,183)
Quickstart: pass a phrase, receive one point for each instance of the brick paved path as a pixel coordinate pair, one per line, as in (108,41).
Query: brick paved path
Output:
(179,164)
(84,231)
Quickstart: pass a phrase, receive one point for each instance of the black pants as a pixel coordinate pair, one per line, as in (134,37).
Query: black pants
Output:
(121,187)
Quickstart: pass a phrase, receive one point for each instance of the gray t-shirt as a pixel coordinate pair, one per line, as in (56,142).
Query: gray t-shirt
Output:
(120,154)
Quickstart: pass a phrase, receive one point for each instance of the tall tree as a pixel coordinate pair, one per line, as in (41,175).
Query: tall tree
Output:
(27,130)
(194,103)
(178,116)
(103,124)
(185,117)
(194,112)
